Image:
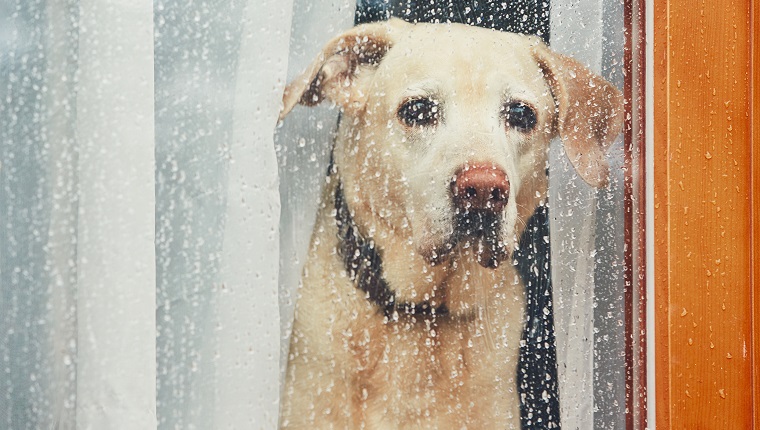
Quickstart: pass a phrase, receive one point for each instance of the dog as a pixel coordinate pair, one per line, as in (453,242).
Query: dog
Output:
(410,310)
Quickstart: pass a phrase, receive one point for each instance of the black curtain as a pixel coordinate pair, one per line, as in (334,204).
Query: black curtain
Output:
(537,370)
(516,16)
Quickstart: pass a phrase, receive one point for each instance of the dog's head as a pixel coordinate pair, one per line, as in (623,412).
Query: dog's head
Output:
(446,127)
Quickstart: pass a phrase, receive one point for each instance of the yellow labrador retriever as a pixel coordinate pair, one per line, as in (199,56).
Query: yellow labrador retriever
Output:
(410,312)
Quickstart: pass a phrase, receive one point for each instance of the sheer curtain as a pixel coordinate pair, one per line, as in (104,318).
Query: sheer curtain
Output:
(587,239)
(139,209)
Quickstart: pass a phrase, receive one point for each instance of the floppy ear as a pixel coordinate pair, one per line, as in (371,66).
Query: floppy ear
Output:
(332,74)
(590,113)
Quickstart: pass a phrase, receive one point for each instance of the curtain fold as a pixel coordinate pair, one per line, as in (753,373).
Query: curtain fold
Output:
(26,363)
(587,236)
(573,217)
(246,377)
(116,265)
(197,51)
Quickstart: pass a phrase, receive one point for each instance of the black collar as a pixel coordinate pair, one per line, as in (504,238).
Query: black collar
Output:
(364,266)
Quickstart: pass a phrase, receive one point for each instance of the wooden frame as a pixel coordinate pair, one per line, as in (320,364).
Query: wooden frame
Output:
(634,214)
(706,208)
(755,199)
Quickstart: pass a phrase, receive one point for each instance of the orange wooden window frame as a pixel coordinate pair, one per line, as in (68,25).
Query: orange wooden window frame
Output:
(707,214)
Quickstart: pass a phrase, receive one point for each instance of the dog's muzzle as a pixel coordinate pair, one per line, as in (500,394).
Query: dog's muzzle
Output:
(479,195)
(480,188)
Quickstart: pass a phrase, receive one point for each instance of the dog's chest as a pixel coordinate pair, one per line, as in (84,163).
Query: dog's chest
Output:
(450,374)
(446,372)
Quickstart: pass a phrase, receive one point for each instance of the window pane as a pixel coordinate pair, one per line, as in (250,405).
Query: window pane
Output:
(574,363)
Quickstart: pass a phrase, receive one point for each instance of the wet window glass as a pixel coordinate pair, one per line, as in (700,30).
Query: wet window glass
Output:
(454,208)
(139,208)
(319,214)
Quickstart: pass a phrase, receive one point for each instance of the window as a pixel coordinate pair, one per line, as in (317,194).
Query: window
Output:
(161,227)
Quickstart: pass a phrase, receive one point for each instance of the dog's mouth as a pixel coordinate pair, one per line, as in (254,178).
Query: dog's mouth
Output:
(476,231)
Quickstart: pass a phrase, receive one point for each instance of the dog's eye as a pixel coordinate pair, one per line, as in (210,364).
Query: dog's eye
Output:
(419,112)
(520,116)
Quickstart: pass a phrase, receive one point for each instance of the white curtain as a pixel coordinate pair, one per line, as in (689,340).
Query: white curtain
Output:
(115,264)
(139,208)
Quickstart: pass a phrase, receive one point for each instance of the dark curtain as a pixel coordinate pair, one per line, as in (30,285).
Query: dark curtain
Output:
(516,16)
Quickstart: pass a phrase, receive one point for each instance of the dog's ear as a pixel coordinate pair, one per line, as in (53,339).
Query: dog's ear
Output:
(332,73)
(590,113)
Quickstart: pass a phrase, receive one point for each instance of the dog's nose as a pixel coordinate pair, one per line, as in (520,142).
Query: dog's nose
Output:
(480,187)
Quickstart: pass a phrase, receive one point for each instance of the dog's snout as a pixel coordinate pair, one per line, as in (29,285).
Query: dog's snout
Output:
(480,187)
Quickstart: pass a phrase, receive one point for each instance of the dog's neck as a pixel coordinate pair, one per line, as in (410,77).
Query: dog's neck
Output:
(364,266)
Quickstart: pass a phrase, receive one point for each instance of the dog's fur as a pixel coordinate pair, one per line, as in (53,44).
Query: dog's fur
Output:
(352,366)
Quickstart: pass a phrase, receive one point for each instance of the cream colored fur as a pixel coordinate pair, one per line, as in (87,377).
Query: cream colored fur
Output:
(349,366)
